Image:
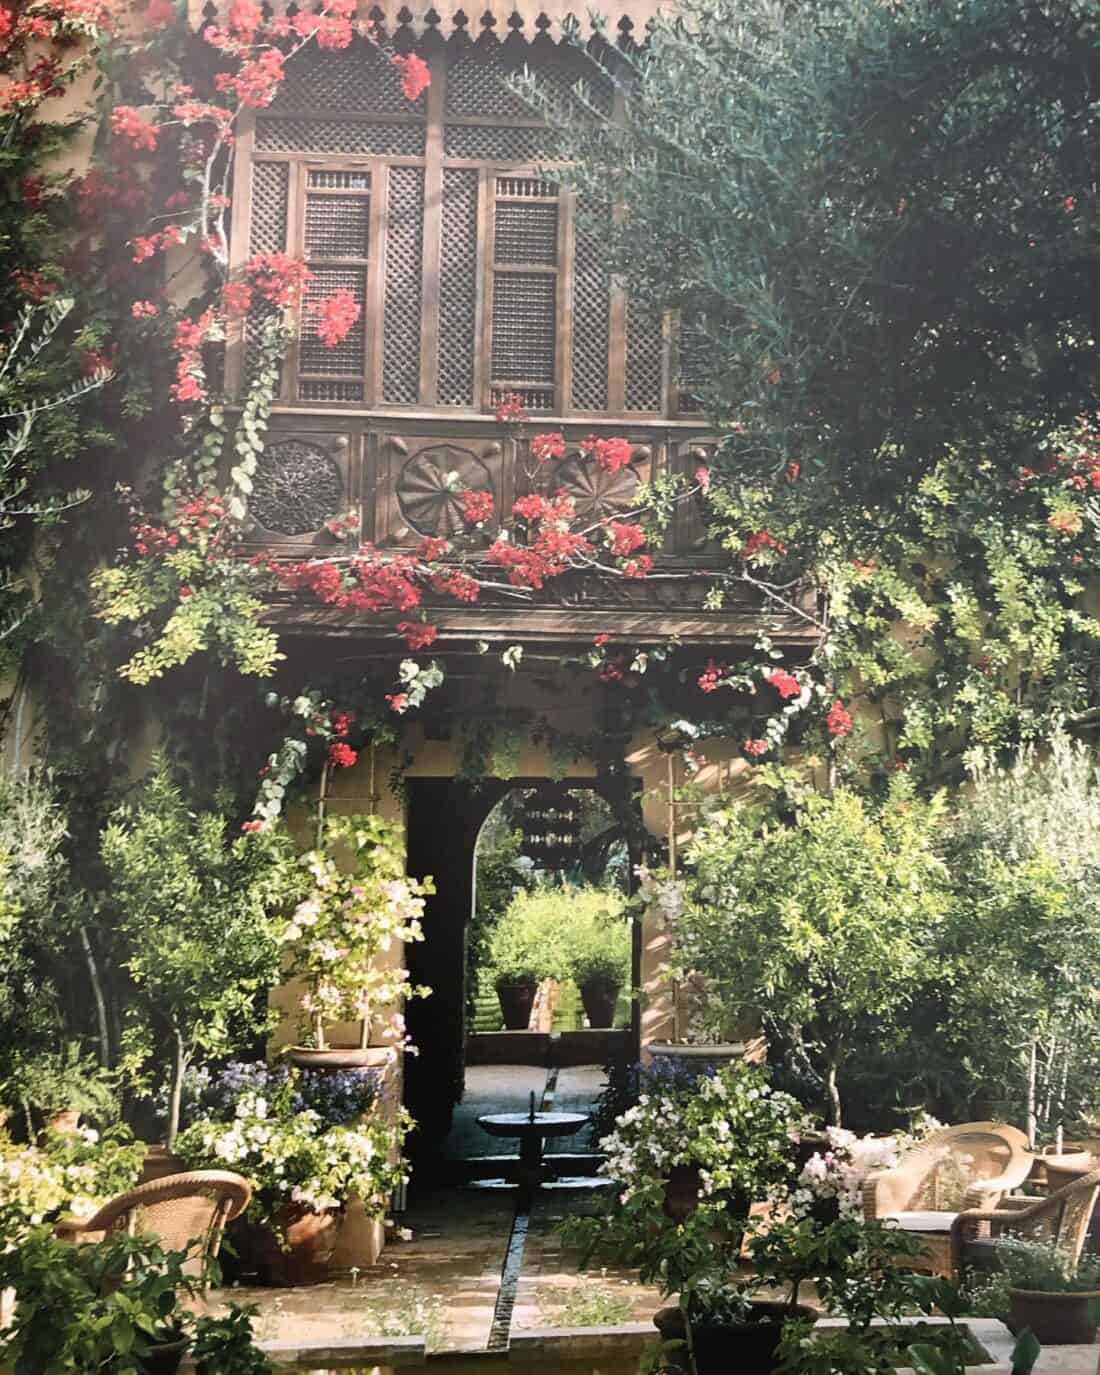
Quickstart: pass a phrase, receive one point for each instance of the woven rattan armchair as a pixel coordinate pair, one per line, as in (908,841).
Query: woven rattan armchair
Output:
(185,1212)
(1061,1218)
(969,1166)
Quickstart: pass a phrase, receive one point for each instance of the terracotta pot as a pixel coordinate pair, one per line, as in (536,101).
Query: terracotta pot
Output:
(296,1250)
(719,1348)
(599,997)
(516,1002)
(164,1358)
(160,1162)
(1056,1319)
(340,1057)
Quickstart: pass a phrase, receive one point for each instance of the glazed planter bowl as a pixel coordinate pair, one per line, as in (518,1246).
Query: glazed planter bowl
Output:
(1056,1319)
(340,1057)
(721,1348)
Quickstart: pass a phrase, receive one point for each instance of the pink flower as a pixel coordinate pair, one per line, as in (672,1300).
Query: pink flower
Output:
(341,756)
(398,701)
(786,684)
(415,75)
(755,748)
(838,723)
(251,827)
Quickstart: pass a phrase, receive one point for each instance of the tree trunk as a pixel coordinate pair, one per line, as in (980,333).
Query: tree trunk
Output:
(100,1003)
(179,1069)
(834,1092)
(1032,1073)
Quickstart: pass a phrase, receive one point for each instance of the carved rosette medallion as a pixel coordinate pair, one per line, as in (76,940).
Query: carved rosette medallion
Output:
(596,492)
(297,486)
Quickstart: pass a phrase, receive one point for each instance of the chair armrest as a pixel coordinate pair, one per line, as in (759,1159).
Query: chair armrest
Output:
(976,1192)
(888,1191)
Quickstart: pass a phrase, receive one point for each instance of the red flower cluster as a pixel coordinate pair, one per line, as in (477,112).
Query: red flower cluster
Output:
(611,454)
(278,277)
(601,639)
(432,548)
(417,635)
(369,583)
(253,826)
(398,701)
(702,477)
(711,676)
(625,538)
(561,507)
(145,247)
(640,566)
(128,124)
(336,317)
(341,756)
(460,586)
(838,722)
(758,540)
(477,506)
(143,310)
(415,76)
(755,748)
(255,85)
(342,722)
(786,684)
(544,447)
(511,410)
(189,339)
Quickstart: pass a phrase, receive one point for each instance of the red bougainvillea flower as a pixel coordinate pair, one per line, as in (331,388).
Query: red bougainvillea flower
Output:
(838,723)
(759,540)
(342,722)
(755,748)
(341,756)
(511,410)
(336,317)
(460,586)
(786,684)
(1069,204)
(251,827)
(142,310)
(610,454)
(278,277)
(186,592)
(625,537)
(415,76)
(711,675)
(432,548)
(128,124)
(613,671)
(793,470)
(257,81)
(417,635)
(702,477)
(398,701)
(477,506)
(1066,522)
(601,639)
(640,566)
(160,14)
(546,446)
(531,507)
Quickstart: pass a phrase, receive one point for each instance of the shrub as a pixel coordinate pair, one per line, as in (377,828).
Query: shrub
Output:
(562,933)
(1044,1266)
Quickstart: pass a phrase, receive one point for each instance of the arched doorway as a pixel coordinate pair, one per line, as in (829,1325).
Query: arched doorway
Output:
(445,819)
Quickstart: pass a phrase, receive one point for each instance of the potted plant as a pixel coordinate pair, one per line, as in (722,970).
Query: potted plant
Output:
(67,1176)
(1049,1292)
(527,946)
(598,955)
(202,912)
(344,940)
(58,1088)
(118,1306)
(309,1151)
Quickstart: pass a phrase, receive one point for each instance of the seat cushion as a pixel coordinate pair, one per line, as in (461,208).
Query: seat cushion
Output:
(922,1222)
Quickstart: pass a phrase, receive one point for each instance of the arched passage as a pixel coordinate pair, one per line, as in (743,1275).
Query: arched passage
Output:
(445,817)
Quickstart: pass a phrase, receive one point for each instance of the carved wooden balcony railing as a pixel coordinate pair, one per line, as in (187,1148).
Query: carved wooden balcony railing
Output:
(401,479)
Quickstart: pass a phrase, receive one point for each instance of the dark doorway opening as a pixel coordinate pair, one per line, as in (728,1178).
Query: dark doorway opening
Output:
(445,820)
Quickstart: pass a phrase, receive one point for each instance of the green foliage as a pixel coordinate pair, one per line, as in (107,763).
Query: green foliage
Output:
(202,915)
(60,1081)
(823,928)
(559,933)
(69,1173)
(888,318)
(501,876)
(1046,1267)
(585,1306)
(223,1345)
(93,1309)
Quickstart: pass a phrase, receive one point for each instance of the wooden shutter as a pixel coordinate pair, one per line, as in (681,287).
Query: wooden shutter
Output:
(337,248)
(523,355)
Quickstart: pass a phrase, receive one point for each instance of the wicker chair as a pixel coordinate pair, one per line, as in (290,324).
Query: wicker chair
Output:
(970,1166)
(185,1212)
(1062,1217)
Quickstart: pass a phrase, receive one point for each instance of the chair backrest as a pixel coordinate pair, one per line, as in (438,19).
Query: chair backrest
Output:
(1071,1209)
(185,1212)
(954,1160)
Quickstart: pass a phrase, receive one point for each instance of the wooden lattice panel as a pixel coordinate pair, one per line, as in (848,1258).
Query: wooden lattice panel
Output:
(404,259)
(458,287)
(269,207)
(347,357)
(527,233)
(337,226)
(644,353)
(498,143)
(524,328)
(591,323)
(360,78)
(477,83)
(337,136)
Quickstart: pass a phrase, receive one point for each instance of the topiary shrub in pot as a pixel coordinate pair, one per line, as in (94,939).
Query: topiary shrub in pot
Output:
(598,953)
(526,947)
(1049,1292)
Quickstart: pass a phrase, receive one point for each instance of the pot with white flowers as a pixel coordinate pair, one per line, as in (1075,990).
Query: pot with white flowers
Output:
(345,940)
(318,1149)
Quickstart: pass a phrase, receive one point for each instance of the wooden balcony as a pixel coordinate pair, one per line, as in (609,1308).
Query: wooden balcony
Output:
(400,478)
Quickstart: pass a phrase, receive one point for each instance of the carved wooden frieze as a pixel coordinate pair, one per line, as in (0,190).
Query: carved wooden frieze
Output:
(302,481)
(420,482)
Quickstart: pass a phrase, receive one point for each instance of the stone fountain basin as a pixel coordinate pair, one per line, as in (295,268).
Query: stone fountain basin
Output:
(542,1124)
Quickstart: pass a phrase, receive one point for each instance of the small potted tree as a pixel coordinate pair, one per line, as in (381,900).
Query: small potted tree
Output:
(344,940)
(202,912)
(526,948)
